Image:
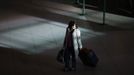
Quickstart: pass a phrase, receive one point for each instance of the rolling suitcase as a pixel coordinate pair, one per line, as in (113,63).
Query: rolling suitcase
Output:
(88,57)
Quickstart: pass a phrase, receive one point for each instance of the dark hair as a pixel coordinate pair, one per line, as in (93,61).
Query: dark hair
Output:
(71,23)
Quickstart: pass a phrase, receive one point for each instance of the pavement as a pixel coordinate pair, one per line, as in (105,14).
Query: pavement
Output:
(32,34)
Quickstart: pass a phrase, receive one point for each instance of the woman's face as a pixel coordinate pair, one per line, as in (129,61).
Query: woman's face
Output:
(74,26)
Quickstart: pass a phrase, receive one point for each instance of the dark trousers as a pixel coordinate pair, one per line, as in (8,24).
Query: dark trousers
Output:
(70,58)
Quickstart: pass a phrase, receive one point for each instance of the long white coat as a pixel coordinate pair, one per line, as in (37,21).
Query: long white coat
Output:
(76,38)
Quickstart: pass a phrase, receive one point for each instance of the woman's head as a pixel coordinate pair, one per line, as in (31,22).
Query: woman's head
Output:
(72,25)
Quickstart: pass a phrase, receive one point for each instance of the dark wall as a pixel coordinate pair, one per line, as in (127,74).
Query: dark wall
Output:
(121,7)
(5,3)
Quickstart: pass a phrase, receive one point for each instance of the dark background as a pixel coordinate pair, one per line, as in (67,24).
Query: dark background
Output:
(120,7)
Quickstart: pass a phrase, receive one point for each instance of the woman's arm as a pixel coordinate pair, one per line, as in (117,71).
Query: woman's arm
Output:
(79,39)
(64,44)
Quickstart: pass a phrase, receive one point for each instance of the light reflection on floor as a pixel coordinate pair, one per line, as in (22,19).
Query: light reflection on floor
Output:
(38,34)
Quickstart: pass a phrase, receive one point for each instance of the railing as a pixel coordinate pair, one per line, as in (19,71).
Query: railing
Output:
(120,7)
